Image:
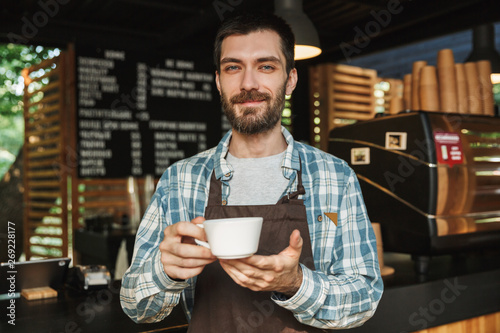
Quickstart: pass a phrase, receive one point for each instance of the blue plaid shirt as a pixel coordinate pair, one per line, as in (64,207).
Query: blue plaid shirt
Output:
(342,292)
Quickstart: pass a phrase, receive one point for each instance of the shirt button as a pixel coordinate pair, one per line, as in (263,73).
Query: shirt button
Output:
(224,202)
(320,218)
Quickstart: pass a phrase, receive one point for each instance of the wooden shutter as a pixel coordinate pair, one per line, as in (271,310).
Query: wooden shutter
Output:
(340,94)
(45,162)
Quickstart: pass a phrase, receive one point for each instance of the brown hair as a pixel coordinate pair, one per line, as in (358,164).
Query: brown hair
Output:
(246,23)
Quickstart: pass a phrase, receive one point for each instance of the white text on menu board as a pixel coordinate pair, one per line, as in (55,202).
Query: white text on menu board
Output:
(177,80)
(167,134)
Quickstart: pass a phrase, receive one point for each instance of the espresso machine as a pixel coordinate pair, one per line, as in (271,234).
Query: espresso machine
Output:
(432,180)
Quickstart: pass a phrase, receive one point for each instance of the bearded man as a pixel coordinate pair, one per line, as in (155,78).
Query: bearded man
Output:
(316,267)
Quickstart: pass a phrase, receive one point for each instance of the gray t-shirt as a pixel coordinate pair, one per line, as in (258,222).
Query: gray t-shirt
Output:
(256,181)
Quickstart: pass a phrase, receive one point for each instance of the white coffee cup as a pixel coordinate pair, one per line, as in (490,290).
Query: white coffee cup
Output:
(232,238)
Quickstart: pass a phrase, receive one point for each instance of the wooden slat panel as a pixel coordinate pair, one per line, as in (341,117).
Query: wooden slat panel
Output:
(361,81)
(44,163)
(352,88)
(44,153)
(35,224)
(50,74)
(44,195)
(41,234)
(37,204)
(354,70)
(104,204)
(45,88)
(352,107)
(44,120)
(353,115)
(353,98)
(103,181)
(43,174)
(47,246)
(103,193)
(43,64)
(339,92)
(42,142)
(45,100)
(55,129)
(43,110)
(46,183)
(48,256)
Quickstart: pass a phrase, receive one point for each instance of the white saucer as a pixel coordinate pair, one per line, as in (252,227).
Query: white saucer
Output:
(240,256)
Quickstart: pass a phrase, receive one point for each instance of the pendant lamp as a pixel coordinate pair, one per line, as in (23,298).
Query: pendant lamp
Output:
(306,37)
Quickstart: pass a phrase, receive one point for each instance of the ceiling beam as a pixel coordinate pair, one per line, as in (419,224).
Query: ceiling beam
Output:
(374,4)
(162,5)
(208,18)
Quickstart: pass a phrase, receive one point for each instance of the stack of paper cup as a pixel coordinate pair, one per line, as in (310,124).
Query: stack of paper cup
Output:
(474,102)
(449,86)
(428,89)
(396,105)
(415,82)
(407,91)
(486,87)
(447,81)
(462,101)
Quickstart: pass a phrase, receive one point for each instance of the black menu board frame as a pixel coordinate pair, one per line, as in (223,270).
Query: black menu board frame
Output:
(138,113)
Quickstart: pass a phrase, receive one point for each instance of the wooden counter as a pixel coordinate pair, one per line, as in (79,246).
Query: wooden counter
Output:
(78,312)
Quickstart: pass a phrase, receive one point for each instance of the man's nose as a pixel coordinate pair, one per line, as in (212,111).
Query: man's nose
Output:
(249,81)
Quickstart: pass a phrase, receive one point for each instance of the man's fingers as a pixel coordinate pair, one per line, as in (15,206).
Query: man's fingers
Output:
(237,276)
(170,259)
(198,220)
(185,250)
(280,272)
(185,232)
(185,273)
(180,256)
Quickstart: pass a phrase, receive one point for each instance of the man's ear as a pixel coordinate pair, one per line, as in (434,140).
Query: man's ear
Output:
(291,83)
(217,80)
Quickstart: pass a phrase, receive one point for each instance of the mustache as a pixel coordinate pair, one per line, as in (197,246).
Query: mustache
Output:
(250,96)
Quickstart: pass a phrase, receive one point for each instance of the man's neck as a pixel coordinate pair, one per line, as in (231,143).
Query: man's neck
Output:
(265,144)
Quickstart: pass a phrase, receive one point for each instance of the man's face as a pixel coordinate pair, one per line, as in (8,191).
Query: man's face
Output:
(253,81)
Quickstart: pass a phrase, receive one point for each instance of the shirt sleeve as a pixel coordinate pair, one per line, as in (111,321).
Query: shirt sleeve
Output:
(147,293)
(344,291)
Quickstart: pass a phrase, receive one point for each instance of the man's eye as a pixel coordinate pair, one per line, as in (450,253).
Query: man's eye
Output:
(231,68)
(267,67)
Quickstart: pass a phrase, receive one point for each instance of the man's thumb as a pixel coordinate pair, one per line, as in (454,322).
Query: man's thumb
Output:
(296,240)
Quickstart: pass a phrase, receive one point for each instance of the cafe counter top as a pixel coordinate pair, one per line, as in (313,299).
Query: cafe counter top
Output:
(77,312)
(456,288)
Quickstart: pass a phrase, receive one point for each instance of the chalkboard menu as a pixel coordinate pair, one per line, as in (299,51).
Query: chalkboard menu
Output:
(137,114)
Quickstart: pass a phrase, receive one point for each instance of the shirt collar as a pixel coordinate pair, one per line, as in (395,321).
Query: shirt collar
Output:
(223,170)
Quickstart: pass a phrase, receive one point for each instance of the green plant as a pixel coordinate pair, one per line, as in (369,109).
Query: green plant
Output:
(13,59)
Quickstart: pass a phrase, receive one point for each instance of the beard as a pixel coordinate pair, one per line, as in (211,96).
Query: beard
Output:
(253,120)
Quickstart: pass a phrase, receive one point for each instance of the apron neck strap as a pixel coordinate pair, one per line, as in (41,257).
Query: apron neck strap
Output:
(215,193)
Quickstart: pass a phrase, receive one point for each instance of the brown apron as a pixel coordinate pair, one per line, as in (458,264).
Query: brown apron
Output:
(223,306)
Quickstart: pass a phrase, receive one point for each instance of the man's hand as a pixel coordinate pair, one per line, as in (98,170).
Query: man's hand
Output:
(180,256)
(280,272)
